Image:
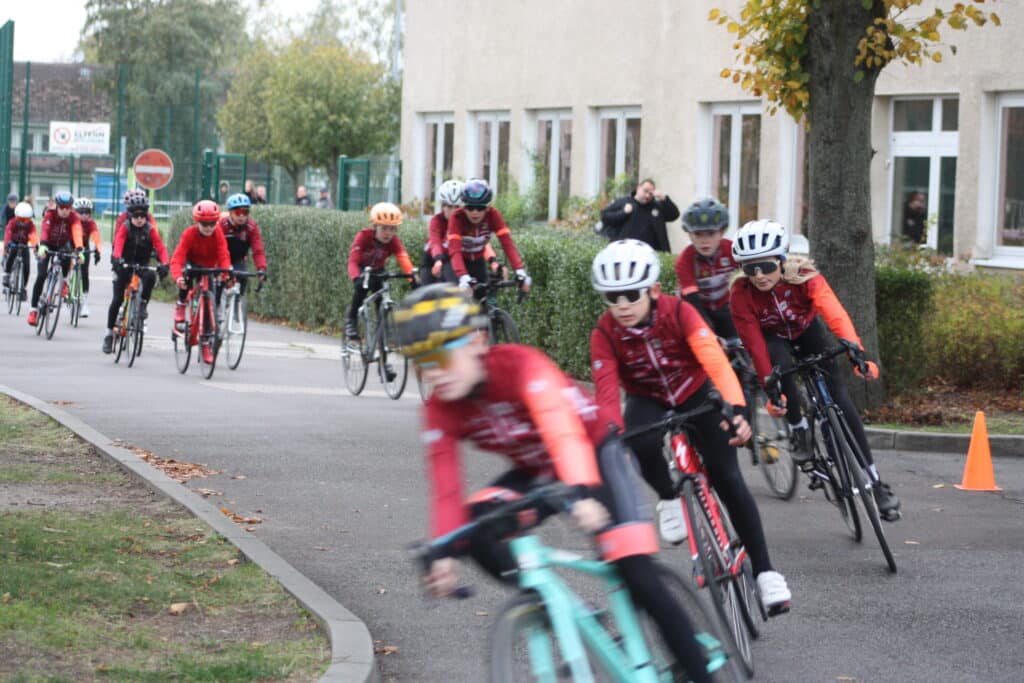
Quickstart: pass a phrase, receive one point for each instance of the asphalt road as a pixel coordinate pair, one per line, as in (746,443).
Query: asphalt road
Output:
(339,483)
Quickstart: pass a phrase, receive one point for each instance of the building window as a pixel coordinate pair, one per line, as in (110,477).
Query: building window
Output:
(619,152)
(15,140)
(44,142)
(438,132)
(489,148)
(1010,197)
(735,159)
(552,163)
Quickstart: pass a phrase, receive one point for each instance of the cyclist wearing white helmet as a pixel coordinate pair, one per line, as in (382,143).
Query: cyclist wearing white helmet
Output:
(660,351)
(83,207)
(776,305)
(435,266)
(19,232)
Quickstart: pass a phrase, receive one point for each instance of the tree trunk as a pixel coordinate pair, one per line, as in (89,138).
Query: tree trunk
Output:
(839,167)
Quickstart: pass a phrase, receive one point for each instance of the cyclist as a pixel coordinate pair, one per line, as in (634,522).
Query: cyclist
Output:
(201,245)
(512,400)
(775,304)
(705,267)
(134,243)
(436,263)
(242,233)
(20,231)
(61,228)
(370,249)
(661,352)
(469,232)
(83,207)
(133,199)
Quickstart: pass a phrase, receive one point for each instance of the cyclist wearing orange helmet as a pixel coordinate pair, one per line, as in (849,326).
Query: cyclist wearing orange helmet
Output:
(202,245)
(371,249)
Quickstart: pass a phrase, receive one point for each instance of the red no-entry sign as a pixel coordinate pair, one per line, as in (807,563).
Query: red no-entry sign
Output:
(153,169)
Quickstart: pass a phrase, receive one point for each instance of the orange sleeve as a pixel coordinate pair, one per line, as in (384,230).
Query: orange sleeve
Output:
(76,234)
(96,239)
(705,347)
(402,256)
(827,304)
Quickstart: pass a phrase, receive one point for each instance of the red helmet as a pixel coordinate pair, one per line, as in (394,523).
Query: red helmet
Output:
(206,211)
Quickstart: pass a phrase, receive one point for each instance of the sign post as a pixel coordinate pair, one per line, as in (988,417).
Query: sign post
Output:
(153,169)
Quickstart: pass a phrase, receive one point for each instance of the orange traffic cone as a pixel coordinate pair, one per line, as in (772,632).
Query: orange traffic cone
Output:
(978,474)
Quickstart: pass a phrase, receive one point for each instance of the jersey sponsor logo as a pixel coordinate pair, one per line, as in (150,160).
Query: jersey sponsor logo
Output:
(703,332)
(724,261)
(536,386)
(431,436)
(598,365)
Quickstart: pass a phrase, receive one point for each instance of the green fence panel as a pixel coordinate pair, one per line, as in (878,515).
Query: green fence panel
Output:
(6,103)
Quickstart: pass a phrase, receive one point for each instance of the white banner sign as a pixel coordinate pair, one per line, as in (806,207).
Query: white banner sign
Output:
(72,137)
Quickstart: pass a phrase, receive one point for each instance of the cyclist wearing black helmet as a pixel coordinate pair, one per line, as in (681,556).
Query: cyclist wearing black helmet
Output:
(61,228)
(706,266)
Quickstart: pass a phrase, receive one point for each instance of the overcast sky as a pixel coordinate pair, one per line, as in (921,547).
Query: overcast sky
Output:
(48,30)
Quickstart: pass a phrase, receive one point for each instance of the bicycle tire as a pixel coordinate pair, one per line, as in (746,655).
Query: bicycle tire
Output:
(354,362)
(501,328)
(53,304)
(234,341)
(839,481)
(182,349)
(772,448)
(388,349)
(18,285)
(74,296)
(134,338)
(118,332)
(721,588)
(862,481)
(208,337)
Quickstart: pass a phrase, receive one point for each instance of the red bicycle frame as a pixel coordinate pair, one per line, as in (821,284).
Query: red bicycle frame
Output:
(198,320)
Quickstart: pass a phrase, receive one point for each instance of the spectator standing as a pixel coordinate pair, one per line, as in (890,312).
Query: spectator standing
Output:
(324,202)
(641,216)
(12,201)
(261,195)
(302,196)
(249,191)
(915,214)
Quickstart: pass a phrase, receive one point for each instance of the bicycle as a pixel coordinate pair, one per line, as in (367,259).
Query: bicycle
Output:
(547,632)
(17,290)
(129,327)
(501,329)
(73,296)
(720,561)
(770,447)
(234,318)
(838,467)
(200,327)
(52,294)
(377,339)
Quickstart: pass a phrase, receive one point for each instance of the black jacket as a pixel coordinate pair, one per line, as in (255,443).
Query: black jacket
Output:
(646,222)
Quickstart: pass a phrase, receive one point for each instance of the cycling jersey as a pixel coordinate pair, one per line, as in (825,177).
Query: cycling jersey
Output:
(529,412)
(56,232)
(786,311)
(124,219)
(18,233)
(91,231)
(467,241)
(204,252)
(707,276)
(240,238)
(666,360)
(136,245)
(368,252)
(437,235)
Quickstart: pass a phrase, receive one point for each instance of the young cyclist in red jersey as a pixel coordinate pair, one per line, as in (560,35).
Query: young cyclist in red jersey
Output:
(19,232)
(776,303)
(90,231)
(371,249)
(61,229)
(469,232)
(659,349)
(705,268)
(512,400)
(134,199)
(436,263)
(201,245)
(242,233)
(134,243)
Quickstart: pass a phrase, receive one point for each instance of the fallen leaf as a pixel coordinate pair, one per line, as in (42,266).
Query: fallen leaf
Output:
(239,519)
(178,608)
(6,598)
(938,486)
(232,562)
(58,566)
(936,509)
(55,531)
(250,529)
(381,590)
(319,547)
(909,542)
(483,614)
(62,403)
(209,492)
(385,650)
(239,476)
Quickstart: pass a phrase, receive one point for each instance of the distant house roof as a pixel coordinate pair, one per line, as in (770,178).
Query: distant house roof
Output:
(62,92)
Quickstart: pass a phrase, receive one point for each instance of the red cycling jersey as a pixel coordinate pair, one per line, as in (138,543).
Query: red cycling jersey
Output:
(91,231)
(20,233)
(530,412)
(467,241)
(136,245)
(122,219)
(667,360)
(243,237)
(369,252)
(57,231)
(437,235)
(708,276)
(786,310)
(204,252)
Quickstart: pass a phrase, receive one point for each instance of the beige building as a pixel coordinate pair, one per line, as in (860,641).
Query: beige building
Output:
(570,93)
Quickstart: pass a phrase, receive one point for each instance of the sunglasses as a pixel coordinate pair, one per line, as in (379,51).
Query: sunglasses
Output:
(208,224)
(765,268)
(139,215)
(476,208)
(631,296)
(63,206)
(239,212)
(440,357)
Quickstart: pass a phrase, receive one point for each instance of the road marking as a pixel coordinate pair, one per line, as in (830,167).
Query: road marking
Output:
(241,388)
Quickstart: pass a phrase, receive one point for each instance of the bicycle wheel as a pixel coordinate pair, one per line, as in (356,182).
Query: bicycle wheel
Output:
(354,357)
(862,482)
(53,304)
(118,331)
(134,338)
(11,293)
(714,568)
(182,348)
(773,450)
(502,328)
(74,299)
(209,344)
(838,485)
(390,358)
(236,325)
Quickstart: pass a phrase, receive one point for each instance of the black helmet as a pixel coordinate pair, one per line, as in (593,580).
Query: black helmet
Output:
(476,192)
(705,215)
(434,315)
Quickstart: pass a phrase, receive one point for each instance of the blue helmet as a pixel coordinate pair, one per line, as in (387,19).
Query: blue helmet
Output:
(476,192)
(63,198)
(239,201)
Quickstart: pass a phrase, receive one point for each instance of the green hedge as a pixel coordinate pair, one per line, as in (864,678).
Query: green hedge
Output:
(904,299)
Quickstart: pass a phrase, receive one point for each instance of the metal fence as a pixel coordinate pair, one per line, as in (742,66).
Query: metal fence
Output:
(364,182)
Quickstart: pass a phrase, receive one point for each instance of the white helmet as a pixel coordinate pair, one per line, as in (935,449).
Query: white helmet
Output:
(23,210)
(760,239)
(626,264)
(450,193)
(83,203)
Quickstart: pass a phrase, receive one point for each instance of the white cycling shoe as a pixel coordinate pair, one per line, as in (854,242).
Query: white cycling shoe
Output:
(775,595)
(671,523)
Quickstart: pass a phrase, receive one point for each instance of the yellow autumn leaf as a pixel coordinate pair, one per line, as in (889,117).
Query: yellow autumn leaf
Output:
(995,19)
(713,14)
(936,57)
(177,609)
(725,73)
(733,27)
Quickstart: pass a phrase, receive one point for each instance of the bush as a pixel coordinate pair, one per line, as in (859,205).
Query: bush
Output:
(904,299)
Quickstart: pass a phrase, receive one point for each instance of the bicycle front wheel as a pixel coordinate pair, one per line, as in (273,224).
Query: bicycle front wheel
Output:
(236,325)
(393,368)
(502,328)
(354,361)
(74,299)
(773,450)
(209,344)
(838,484)
(52,305)
(134,338)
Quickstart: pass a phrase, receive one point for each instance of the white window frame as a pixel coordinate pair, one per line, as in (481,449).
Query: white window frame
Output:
(599,114)
(706,147)
(473,150)
(934,144)
(990,160)
(533,118)
(420,143)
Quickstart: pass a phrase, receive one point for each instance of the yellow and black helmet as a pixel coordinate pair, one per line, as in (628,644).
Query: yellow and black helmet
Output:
(434,315)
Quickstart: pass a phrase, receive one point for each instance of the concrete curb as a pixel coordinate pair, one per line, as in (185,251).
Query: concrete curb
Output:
(893,440)
(351,646)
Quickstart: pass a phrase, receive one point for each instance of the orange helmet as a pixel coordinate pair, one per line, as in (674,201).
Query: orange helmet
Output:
(206,211)
(385,213)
